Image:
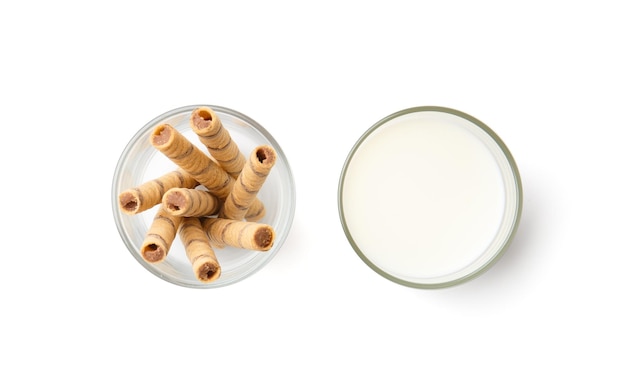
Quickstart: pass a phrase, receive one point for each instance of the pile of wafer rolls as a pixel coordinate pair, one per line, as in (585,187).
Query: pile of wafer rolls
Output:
(209,202)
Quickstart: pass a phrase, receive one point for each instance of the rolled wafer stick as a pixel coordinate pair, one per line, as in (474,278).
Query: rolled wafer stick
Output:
(208,126)
(199,165)
(190,202)
(190,158)
(239,234)
(159,237)
(249,182)
(199,250)
(256,211)
(150,193)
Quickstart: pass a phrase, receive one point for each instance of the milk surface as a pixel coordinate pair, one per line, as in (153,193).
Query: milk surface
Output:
(423,196)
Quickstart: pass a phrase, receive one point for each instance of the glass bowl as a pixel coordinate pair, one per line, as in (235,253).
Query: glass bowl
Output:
(141,162)
(430,197)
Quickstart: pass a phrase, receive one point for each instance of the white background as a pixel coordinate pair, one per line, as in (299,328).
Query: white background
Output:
(78,79)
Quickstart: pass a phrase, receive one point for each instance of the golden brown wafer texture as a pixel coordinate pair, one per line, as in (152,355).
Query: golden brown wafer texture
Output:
(150,193)
(256,211)
(159,237)
(190,202)
(239,234)
(208,126)
(249,182)
(190,158)
(195,162)
(199,250)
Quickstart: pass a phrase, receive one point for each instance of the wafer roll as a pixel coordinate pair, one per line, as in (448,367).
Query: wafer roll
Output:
(249,182)
(150,193)
(190,202)
(159,238)
(256,211)
(190,158)
(239,234)
(199,250)
(208,126)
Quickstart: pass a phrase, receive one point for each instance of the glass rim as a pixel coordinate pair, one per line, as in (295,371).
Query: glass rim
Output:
(518,197)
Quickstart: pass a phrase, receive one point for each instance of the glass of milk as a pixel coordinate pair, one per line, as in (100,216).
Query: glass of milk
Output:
(429,197)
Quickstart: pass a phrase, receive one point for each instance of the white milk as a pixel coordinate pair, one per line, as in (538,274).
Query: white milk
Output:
(424,197)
